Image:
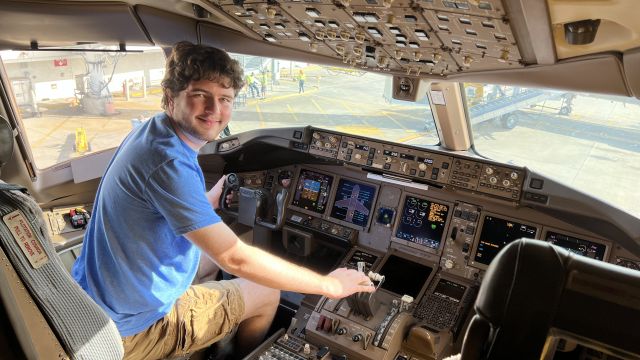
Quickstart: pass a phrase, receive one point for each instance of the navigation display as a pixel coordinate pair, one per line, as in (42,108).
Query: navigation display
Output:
(403,276)
(353,202)
(498,233)
(422,222)
(578,246)
(312,191)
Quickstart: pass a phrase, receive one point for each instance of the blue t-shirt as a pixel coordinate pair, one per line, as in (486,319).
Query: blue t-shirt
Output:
(135,263)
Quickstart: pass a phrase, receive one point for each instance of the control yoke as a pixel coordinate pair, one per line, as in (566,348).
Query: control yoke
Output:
(231,183)
(253,204)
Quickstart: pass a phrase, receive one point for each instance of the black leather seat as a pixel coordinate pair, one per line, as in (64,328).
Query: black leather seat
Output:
(533,289)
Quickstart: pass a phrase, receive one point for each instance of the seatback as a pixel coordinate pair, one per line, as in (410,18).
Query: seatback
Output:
(83,330)
(533,289)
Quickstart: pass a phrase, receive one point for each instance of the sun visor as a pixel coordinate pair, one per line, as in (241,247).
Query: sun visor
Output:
(602,74)
(67,24)
(166,28)
(631,61)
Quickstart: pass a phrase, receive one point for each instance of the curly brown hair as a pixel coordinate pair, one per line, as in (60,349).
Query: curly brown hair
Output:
(189,62)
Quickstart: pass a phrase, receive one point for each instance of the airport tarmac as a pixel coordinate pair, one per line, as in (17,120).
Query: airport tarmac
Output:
(575,149)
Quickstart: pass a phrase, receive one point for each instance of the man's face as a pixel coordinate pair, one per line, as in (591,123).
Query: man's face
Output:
(203,109)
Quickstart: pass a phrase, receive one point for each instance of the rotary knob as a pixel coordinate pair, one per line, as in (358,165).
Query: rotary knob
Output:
(489,171)
(333,139)
(388,159)
(422,166)
(316,135)
(318,143)
(358,156)
(493,180)
(449,264)
(506,182)
(514,175)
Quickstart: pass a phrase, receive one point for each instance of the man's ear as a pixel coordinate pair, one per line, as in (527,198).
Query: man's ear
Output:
(170,101)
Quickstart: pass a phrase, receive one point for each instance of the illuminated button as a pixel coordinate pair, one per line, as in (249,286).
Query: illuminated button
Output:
(435,171)
(421,174)
(312,12)
(445,165)
(387,166)
(434,177)
(449,264)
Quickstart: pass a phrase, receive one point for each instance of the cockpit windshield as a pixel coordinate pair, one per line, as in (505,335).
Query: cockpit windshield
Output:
(588,141)
(79,102)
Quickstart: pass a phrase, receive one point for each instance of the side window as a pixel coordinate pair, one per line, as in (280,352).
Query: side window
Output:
(75,103)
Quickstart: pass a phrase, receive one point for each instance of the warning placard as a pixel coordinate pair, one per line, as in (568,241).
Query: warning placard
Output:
(26,239)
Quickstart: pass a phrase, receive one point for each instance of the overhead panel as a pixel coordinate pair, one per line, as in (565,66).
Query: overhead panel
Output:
(416,37)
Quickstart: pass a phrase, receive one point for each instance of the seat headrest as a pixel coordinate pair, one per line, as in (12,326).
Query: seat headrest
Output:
(6,141)
(532,287)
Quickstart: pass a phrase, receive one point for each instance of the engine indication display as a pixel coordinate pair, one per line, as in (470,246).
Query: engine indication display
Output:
(312,191)
(422,222)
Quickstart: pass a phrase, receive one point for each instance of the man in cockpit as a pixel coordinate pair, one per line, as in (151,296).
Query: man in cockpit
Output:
(153,217)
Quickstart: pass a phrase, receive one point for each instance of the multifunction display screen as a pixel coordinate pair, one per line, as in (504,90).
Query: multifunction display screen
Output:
(579,246)
(450,290)
(312,191)
(422,222)
(498,233)
(353,202)
(403,276)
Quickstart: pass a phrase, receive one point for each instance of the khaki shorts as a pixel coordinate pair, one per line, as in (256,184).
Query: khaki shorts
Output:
(204,314)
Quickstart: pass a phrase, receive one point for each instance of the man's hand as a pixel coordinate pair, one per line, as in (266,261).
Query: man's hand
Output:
(216,191)
(343,282)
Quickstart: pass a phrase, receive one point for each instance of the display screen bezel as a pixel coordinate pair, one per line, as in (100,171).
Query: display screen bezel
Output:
(607,244)
(420,247)
(332,201)
(411,258)
(476,241)
(295,188)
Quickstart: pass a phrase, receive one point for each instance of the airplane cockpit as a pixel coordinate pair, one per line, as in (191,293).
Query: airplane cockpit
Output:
(477,159)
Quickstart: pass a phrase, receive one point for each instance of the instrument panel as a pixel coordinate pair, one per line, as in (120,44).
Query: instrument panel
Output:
(426,221)
(421,165)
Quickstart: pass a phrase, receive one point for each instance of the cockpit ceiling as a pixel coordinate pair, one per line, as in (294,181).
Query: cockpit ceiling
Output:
(438,37)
